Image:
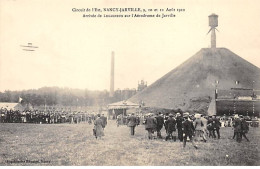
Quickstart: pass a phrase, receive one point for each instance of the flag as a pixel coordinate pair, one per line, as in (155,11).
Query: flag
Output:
(20,100)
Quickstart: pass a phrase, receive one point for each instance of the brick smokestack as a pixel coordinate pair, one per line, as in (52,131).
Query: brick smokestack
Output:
(111,94)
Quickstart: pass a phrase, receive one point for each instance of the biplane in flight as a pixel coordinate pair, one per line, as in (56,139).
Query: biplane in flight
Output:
(29,47)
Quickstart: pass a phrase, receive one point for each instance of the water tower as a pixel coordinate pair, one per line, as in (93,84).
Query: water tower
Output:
(213,23)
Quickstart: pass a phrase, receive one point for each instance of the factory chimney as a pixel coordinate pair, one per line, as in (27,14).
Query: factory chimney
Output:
(111,94)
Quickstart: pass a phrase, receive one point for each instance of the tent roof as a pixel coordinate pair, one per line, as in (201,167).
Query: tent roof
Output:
(123,105)
(11,106)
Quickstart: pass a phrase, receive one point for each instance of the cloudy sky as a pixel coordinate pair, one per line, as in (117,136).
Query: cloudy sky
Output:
(75,52)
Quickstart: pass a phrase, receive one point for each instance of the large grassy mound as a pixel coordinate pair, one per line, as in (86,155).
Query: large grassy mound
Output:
(191,85)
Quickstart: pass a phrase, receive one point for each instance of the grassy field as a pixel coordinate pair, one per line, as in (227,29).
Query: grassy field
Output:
(74,144)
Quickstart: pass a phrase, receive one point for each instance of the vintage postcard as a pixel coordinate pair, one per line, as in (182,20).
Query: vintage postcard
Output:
(129,83)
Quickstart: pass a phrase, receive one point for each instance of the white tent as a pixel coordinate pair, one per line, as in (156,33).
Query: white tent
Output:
(212,108)
(122,107)
(11,106)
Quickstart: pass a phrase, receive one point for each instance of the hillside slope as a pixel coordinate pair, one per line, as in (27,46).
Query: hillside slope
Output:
(191,85)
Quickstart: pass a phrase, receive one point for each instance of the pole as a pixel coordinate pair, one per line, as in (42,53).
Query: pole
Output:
(213,38)
(45,104)
(111,94)
(253,99)
(253,108)
(234,107)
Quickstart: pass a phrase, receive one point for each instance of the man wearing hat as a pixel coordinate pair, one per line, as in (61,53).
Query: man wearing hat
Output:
(138,120)
(165,119)
(132,122)
(237,128)
(159,124)
(210,127)
(150,124)
(188,130)
(98,130)
(216,126)
(179,121)
(244,127)
(199,127)
(204,128)
(170,125)
(104,119)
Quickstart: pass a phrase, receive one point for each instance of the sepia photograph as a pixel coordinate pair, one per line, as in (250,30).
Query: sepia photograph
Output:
(129,83)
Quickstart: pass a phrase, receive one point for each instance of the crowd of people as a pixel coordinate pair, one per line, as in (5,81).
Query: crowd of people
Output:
(178,126)
(45,117)
(183,124)
(123,120)
(186,127)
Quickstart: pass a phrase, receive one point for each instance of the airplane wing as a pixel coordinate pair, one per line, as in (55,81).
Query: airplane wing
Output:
(28,49)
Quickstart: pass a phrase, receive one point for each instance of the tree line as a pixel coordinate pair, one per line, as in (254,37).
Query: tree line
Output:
(52,96)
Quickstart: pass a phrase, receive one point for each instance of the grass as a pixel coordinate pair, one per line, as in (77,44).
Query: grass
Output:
(74,144)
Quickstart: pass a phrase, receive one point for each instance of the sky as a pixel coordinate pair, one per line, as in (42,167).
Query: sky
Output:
(75,52)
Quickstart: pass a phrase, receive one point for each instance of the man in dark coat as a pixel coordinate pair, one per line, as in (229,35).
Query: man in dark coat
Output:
(216,126)
(132,122)
(150,124)
(210,127)
(170,125)
(104,120)
(159,125)
(98,130)
(237,128)
(138,120)
(188,130)
(179,121)
(244,128)
(166,118)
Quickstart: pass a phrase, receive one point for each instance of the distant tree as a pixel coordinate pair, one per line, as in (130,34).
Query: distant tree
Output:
(55,96)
